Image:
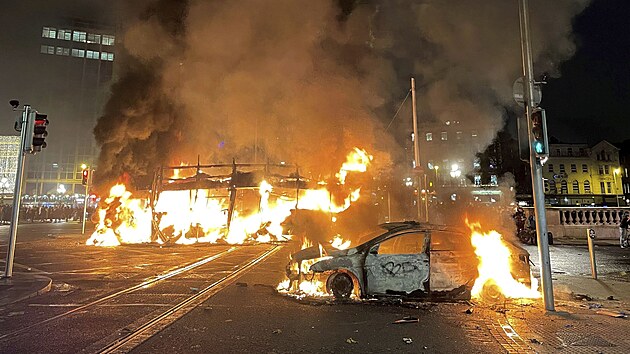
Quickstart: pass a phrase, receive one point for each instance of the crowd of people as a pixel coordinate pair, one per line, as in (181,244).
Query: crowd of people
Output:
(33,213)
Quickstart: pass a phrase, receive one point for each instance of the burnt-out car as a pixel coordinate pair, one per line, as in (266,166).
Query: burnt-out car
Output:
(408,259)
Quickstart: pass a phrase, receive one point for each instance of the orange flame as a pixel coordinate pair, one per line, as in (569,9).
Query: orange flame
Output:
(191,216)
(357,161)
(494,265)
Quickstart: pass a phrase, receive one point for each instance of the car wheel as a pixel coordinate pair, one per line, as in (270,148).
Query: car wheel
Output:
(491,293)
(341,285)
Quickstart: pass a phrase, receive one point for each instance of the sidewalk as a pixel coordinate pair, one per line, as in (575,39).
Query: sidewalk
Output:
(23,286)
(569,287)
(586,318)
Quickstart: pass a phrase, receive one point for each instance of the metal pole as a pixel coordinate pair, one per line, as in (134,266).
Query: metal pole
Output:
(426,199)
(389,207)
(537,184)
(590,236)
(416,142)
(17,192)
(85,200)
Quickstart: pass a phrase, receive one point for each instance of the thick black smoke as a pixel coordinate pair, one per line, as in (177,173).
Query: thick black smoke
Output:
(305,81)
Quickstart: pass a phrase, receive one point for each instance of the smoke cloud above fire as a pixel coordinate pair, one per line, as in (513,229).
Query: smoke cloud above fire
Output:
(305,81)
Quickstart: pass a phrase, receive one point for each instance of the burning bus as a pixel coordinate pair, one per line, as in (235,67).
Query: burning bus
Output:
(229,203)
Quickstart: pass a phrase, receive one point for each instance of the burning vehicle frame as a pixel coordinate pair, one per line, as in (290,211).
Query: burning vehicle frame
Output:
(236,180)
(404,259)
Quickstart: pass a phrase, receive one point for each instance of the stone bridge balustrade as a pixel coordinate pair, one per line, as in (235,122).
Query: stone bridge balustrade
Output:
(572,222)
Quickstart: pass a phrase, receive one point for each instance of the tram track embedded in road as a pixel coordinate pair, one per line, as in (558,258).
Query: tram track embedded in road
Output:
(144,284)
(145,331)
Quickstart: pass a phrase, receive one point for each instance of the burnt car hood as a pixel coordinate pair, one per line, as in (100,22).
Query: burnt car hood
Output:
(317,252)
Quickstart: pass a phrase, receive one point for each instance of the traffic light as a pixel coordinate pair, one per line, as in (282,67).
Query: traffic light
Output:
(540,145)
(85,177)
(39,132)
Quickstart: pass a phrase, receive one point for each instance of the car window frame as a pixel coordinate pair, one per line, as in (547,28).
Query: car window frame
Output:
(425,246)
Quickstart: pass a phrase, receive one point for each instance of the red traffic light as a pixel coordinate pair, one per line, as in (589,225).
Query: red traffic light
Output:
(39,132)
(86,176)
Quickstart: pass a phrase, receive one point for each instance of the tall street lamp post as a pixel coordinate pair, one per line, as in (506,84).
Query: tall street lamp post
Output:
(616,172)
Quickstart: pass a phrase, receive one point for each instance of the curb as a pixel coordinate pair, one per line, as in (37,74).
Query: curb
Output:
(46,288)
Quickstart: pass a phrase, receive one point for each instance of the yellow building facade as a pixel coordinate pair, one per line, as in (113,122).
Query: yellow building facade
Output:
(579,175)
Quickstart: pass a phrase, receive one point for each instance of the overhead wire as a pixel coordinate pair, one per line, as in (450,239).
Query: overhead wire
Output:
(398,110)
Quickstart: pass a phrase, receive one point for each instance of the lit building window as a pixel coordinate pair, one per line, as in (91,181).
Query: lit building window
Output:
(90,54)
(576,187)
(477,180)
(584,168)
(606,169)
(79,36)
(47,49)
(474,134)
(609,187)
(573,167)
(107,56)
(49,32)
(458,135)
(79,53)
(64,34)
(108,40)
(429,136)
(94,38)
(443,136)
(493,180)
(562,168)
(550,167)
(602,187)
(587,186)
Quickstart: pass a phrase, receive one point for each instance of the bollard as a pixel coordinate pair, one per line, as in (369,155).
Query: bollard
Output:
(590,236)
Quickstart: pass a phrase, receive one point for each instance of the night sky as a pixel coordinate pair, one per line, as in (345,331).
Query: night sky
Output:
(590,101)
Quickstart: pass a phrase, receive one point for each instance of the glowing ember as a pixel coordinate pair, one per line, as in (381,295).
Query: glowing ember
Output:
(191,216)
(494,266)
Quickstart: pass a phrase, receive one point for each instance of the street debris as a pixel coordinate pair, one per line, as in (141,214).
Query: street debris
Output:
(15,313)
(582,297)
(277,331)
(241,285)
(407,319)
(611,298)
(351,341)
(611,313)
(469,310)
(407,340)
(535,341)
(194,290)
(595,306)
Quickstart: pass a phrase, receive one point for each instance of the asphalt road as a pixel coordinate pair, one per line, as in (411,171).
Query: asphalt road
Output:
(245,316)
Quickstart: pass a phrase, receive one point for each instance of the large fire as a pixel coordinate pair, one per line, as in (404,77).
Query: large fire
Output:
(200,215)
(494,266)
